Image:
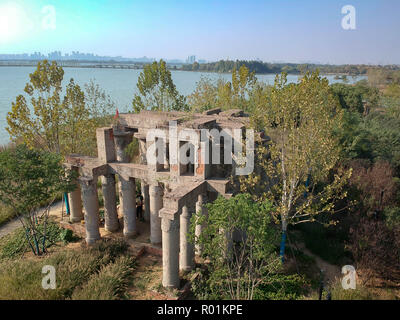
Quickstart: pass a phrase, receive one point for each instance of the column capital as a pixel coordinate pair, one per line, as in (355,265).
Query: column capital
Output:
(87,182)
(168,225)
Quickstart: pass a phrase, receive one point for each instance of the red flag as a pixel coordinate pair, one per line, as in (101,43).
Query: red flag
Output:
(116,114)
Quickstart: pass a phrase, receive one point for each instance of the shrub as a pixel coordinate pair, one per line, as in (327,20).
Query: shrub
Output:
(375,249)
(74,268)
(360,293)
(283,287)
(16,243)
(6,214)
(109,284)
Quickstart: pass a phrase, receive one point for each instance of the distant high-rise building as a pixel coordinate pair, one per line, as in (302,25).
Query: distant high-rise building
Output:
(191,59)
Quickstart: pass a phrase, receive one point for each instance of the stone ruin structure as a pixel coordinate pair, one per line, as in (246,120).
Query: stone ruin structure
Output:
(172,192)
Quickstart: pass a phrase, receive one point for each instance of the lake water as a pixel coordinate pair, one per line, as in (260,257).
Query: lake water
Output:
(120,84)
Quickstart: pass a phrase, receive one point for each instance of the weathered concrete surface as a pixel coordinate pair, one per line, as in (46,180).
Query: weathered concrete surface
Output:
(156,203)
(75,202)
(186,258)
(127,196)
(110,203)
(170,246)
(91,205)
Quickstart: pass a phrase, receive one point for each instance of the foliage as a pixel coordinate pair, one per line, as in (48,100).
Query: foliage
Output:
(157,91)
(236,269)
(326,242)
(348,96)
(354,138)
(42,129)
(283,287)
(242,92)
(16,244)
(99,104)
(375,248)
(6,213)
(63,125)
(385,138)
(74,268)
(297,166)
(360,293)
(377,187)
(109,284)
(29,178)
(291,68)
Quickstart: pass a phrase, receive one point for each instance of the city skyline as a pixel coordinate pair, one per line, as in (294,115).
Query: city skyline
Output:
(76,55)
(285,30)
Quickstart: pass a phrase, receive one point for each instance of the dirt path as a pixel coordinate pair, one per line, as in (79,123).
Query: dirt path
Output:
(331,272)
(9,227)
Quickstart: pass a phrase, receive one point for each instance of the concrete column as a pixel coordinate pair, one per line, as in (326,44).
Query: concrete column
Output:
(146,200)
(170,249)
(186,259)
(110,204)
(91,205)
(121,141)
(156,203)
(199,227)
(75,203)
(127,196)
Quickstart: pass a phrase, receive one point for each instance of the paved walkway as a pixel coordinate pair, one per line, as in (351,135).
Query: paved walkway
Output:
(9,227)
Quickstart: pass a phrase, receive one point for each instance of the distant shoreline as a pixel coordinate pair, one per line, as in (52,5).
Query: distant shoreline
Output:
(135,67)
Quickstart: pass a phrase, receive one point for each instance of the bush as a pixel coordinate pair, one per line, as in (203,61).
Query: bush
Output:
(6,214)
(109,284)
(16,243)
(360,293)
(74,268)
(283,287)
(375,249)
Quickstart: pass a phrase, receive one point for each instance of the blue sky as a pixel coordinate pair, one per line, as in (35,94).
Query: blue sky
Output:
(271,30)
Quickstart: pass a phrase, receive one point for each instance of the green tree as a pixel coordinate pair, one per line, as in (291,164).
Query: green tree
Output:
(99,104)
(239,93)
(76,122)
(63,125)
(236,269)
(303,151)
(29,178)
(42,129)
(157,91)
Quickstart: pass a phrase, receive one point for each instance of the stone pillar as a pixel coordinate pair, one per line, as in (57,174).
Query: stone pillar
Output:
(170,250)
(91,205)
(146,200)
(156,203)
(110,204)
(127,196)
(121,141)
(75,202)
(199,227)
(186,259)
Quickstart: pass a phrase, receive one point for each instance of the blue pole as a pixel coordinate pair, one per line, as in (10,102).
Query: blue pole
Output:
(283,244)
(66,203)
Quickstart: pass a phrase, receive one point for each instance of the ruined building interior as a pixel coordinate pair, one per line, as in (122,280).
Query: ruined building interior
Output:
(171,192)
